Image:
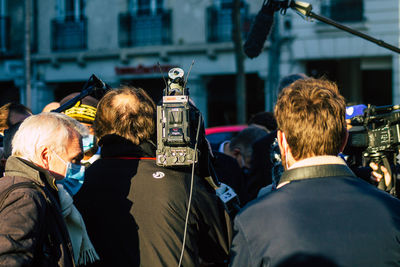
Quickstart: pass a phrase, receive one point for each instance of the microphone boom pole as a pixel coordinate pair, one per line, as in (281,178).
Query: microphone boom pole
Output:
(306,10)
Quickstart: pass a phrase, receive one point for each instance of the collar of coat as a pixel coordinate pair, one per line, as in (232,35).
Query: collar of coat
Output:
(114,146)
(317,171)
(16,166)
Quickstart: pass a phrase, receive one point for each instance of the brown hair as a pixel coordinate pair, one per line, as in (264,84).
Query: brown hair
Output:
(311,113)
(7,109)
(127,112)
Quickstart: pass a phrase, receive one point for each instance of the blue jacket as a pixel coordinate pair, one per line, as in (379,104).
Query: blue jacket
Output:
(325,216)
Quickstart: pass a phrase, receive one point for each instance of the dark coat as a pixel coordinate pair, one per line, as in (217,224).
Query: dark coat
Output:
(135,211)
(230,173)
(32,229)
(333,217)
(261,167)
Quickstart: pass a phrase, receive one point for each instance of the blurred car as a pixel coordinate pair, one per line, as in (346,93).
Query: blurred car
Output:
(217,135)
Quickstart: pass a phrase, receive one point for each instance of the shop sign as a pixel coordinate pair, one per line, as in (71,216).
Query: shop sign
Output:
(140,69)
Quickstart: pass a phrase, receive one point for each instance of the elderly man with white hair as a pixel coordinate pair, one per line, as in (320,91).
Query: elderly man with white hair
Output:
(47,150)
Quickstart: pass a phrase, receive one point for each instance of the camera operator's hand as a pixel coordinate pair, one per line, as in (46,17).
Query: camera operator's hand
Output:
(377,177)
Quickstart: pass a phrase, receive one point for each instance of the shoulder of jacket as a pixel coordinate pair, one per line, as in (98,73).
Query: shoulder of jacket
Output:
(20,187)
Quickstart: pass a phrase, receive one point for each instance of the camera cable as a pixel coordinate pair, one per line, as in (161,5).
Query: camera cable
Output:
(190,193)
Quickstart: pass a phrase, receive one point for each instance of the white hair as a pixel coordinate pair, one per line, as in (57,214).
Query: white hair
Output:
(50,129)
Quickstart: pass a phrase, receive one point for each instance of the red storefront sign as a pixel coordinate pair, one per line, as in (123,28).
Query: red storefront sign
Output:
(140,69)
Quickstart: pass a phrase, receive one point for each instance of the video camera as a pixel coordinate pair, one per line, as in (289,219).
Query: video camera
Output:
(377,134)
(181,140)
(175,136)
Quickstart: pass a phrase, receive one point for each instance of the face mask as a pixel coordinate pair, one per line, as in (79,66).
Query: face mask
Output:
(74,177)
(88,142)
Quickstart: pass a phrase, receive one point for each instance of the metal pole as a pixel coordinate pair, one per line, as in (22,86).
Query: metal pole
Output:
(274,53)
(355,32)
(305,9)
(239,61)
(27,54)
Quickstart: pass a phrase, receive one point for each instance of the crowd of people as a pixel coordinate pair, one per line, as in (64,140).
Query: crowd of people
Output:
(82,187)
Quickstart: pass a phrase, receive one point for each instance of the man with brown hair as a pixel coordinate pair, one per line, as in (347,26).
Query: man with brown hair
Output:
(135,210)
(11,114)
(321,214)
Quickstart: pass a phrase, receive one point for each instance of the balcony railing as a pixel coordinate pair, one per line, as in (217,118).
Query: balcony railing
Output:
(145,30)
(343,10)
(4,34)
(69,35)
(220,24)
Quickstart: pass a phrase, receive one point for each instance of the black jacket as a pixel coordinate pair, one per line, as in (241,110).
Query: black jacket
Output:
(261,167)
(328,217)
(135,211)
(32,229)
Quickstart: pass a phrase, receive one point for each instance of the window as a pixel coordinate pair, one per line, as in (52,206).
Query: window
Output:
(219,22)
(12,26)
(69,28)
(147,23)
(146,7)
(343,10)
(70,9)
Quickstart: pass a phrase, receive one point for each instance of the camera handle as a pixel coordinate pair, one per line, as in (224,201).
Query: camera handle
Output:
(391,187)
(91,85)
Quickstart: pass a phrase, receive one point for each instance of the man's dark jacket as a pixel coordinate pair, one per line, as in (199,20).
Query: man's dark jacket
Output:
(32,229)
(135,210)
(326,215)
(261,167)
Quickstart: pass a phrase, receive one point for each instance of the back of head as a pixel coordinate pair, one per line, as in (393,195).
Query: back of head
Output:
(127,112)
(311,113)
(12,113)
(51,106)
(52,130)
(265,119)
(289,79)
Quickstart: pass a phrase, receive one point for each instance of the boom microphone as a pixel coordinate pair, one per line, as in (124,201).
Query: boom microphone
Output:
(262,25)
(259,31)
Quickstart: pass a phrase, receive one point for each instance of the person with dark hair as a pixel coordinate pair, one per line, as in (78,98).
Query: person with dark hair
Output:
(135,210)
(264,119)
(11,116)
(320,209)
(241,145)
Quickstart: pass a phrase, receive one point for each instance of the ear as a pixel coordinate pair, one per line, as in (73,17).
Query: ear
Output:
(44,157)
(281,141)
(344,141)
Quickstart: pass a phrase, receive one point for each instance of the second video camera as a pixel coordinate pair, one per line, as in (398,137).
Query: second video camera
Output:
(377,135)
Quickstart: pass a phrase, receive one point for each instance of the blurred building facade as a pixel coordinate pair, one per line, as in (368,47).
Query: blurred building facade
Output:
(122,41)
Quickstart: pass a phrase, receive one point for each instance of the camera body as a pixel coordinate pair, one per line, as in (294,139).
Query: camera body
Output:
(376,137)
(175,136)
(376,132)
